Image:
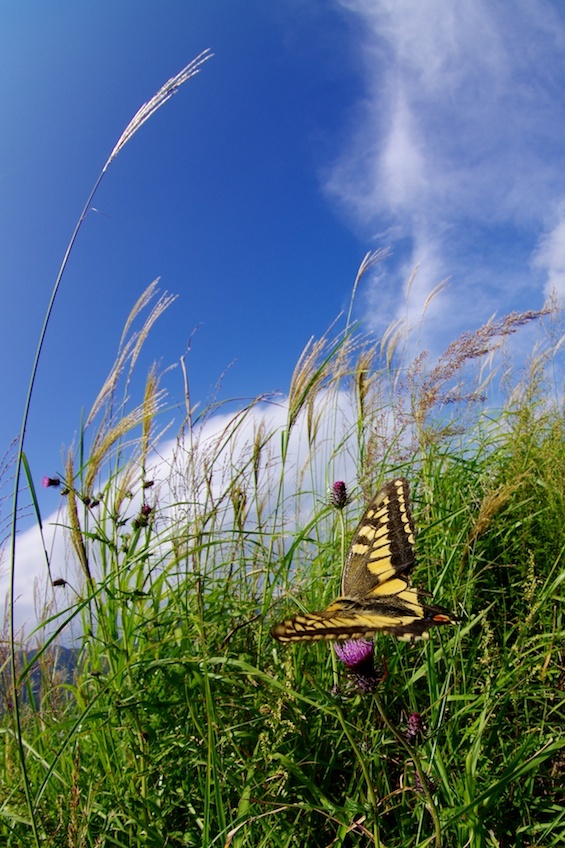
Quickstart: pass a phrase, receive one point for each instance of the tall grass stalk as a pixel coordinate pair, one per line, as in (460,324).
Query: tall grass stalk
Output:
(170,88)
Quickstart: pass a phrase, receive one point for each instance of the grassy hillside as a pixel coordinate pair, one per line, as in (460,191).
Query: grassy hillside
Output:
(186,724)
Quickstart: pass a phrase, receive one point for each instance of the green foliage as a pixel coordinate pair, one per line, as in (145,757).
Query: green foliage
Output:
(184,724)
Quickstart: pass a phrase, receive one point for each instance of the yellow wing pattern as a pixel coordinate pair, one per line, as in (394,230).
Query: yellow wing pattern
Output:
(377,595)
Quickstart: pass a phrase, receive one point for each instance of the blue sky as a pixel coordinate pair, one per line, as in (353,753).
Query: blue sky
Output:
(320,129)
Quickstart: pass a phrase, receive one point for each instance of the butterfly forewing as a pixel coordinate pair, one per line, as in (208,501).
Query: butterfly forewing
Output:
(376,591)
(383,544)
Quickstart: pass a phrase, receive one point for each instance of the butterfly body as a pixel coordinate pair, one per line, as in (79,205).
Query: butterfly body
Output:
(377,595)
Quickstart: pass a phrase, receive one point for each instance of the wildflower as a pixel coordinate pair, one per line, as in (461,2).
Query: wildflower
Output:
(142,519)
(339,496)
(48,482)
(418,783)
(358,657)
(414,728)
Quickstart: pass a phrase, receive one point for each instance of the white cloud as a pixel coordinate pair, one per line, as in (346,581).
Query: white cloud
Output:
(457,141)
(33,594)
(550,255)
(219,449)
(402,163)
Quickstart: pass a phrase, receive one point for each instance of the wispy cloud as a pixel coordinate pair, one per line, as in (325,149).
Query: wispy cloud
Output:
(456,151)
(550,255)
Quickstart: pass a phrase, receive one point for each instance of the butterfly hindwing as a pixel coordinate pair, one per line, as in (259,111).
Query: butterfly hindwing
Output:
(377,595)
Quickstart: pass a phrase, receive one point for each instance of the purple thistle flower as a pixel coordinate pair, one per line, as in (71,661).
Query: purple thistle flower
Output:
(142,519)
(354,652)
(414,728)
(430,784)
(358,657)
(339,496)
(47,482)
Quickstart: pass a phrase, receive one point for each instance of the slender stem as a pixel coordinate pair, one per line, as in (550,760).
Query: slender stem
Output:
(370,789)
(419,768)
(148,109)
(14,521)
(342,559)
